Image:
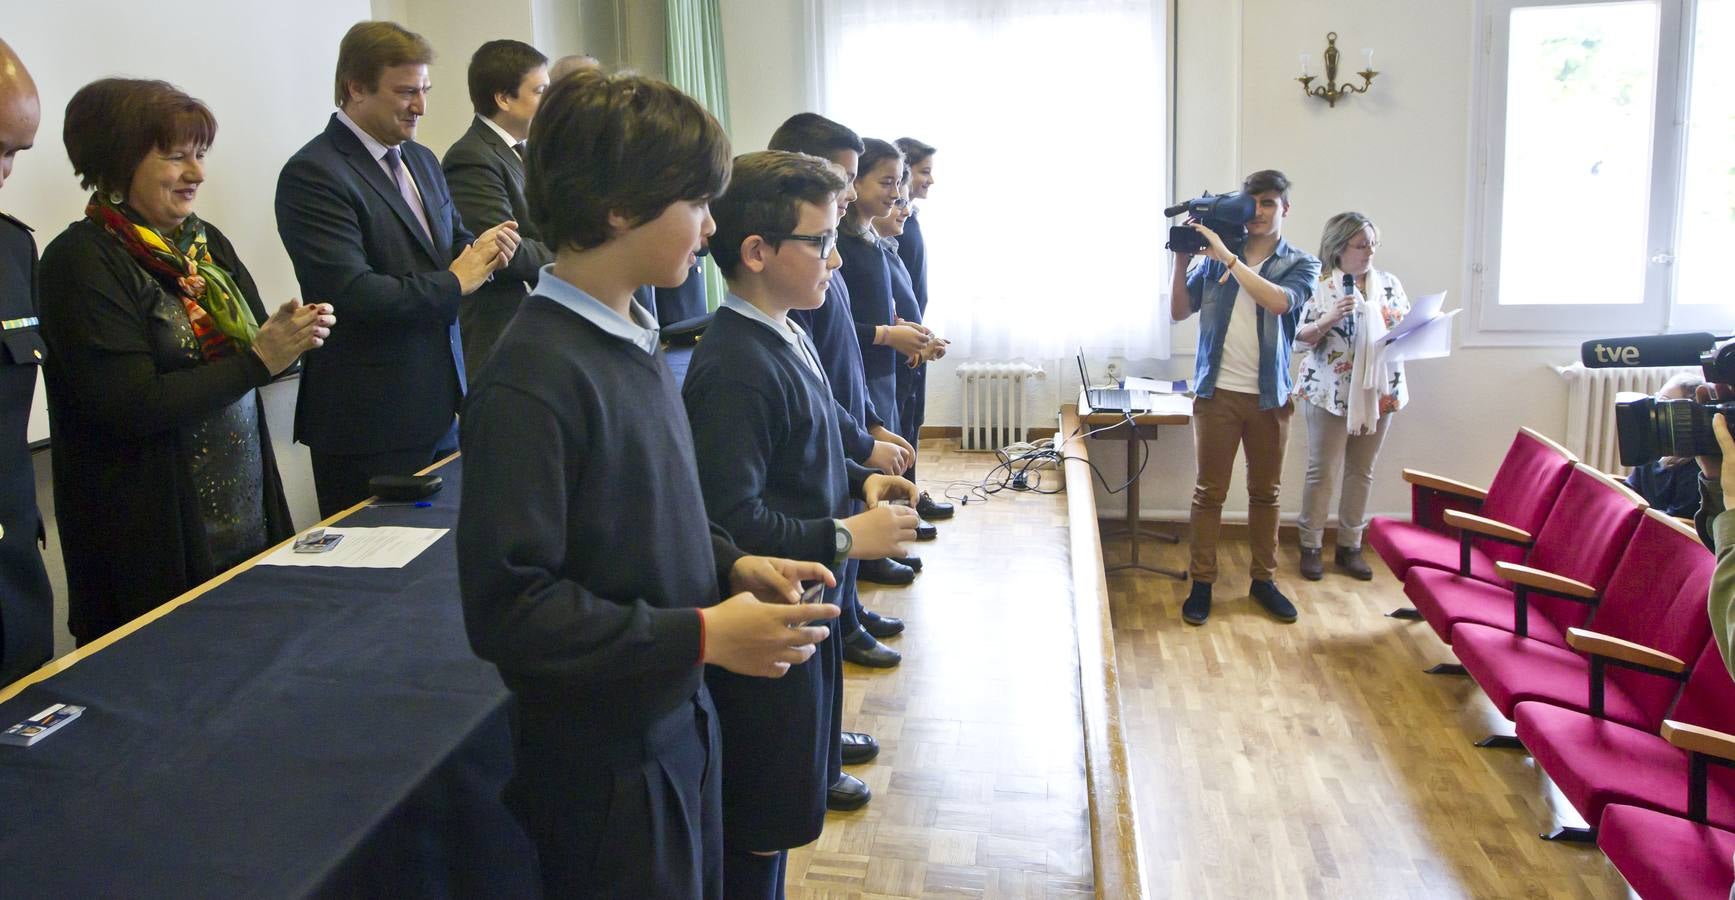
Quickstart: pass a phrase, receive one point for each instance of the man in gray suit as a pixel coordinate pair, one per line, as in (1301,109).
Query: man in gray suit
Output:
(485,170)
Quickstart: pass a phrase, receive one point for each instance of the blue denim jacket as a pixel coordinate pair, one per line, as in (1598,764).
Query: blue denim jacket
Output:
(1293,269)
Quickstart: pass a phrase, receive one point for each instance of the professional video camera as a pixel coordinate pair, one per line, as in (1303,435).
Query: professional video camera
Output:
(1648,428)
(1225,214)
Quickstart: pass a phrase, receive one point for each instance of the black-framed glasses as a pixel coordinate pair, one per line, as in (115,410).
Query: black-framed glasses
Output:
(826,242)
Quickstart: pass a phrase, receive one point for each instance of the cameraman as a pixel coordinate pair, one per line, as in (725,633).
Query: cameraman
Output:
(1671,484)
(1717,528)
(1249,304)
(1715,481)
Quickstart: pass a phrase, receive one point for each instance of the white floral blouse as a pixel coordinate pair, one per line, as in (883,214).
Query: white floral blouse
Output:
(1324,379)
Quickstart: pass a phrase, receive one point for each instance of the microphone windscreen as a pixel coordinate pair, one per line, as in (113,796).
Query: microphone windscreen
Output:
(1646,350)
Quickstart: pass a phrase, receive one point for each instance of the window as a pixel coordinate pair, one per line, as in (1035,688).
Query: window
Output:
(1608,170)
(1044,227)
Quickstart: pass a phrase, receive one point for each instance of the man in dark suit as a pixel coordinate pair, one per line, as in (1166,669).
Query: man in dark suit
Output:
(370,225)
(26,601)
(485,169)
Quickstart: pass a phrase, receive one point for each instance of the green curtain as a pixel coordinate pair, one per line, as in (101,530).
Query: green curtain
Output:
(693,44)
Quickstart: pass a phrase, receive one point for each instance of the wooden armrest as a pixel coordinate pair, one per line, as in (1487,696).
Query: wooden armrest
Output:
(1486,527)
(1443,484)
(1590,642)
(1696,739)
(1545,581)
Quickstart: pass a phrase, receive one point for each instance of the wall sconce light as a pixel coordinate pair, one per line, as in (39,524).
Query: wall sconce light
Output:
(1331,91)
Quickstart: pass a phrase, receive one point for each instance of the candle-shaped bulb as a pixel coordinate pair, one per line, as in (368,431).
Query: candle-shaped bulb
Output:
(1368,54)
(1304,62)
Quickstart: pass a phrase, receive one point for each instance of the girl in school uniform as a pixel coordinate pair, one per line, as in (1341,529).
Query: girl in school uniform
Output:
(867,273)
(912,371)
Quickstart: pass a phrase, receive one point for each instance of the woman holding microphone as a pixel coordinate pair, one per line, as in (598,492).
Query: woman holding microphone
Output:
(1351,391)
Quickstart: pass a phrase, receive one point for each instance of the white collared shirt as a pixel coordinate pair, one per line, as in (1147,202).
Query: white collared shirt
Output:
(378,151)
(509,139)
(791,333)
(641,331)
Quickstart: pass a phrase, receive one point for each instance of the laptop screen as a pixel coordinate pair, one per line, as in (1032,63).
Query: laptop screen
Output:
(1083,373)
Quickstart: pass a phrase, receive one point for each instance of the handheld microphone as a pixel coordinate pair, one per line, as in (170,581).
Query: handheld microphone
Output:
(1647,350)
(1348,285)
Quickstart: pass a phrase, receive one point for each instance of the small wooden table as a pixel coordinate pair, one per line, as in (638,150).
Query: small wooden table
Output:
(1167,409)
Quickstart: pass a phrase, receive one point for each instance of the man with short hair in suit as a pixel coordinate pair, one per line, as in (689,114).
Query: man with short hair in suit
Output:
(371,228)
(26,601)
(485,170)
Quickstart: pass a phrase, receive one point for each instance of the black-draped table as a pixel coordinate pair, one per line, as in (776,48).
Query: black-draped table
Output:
(287,732)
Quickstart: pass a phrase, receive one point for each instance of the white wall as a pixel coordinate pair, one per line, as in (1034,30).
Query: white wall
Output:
(1399,154)
(456,28)
(265,70)
(764,62)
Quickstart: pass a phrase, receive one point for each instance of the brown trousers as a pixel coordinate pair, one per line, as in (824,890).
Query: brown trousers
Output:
(1223,424)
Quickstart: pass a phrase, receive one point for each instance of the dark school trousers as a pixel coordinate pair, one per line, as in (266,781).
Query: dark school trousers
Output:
(623,816)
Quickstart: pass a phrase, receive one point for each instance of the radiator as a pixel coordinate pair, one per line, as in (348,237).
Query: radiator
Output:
(993,403)
(1590,407)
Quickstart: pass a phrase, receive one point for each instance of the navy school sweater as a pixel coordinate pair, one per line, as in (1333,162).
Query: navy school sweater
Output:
(913,250)
(868,277)
(583,546)
(771,458)
(831,327)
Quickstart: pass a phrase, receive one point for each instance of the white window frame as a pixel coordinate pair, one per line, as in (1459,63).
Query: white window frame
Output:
(1562,324)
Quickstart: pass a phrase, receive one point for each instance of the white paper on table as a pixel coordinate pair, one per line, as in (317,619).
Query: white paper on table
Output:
(1155,386)
(1431,339)
(1422,312)
(386,547)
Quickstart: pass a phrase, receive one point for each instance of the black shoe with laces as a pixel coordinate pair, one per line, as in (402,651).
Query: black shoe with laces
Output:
(929,508)
(1198,606)
(1266,594)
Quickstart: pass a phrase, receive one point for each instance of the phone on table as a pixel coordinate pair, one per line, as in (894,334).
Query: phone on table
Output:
(316,541)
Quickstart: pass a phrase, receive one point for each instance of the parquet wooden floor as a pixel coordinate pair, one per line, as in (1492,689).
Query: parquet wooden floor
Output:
(1316,759)
(979,786)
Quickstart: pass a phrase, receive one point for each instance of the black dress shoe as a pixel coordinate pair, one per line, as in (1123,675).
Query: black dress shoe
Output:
(925,531)
(861,648)
(914,562)
(881,626)
(848,793)
(885,571)
(859,748)
(929,508)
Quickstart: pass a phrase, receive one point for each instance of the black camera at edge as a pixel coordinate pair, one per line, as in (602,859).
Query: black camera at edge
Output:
(1648,429)
(1225,214)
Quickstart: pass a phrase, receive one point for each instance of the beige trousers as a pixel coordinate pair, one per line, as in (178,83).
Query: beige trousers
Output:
(1223,425)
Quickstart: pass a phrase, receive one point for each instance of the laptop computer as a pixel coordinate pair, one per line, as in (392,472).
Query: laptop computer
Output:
(1112,399)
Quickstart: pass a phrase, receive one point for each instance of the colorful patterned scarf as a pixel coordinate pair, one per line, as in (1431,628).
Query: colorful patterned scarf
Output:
(221,318)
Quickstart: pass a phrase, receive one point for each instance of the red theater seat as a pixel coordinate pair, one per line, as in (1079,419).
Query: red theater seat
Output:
(1665,856)
(1520,496)
(1574,555)
(1656,598)
(1596,762)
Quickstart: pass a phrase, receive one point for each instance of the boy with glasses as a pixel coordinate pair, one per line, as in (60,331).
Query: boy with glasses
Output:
(775,476)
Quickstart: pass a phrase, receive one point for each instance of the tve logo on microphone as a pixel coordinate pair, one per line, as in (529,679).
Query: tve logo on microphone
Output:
(1620,356)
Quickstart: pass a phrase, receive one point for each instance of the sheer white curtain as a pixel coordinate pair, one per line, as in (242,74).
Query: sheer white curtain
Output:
(1044,227)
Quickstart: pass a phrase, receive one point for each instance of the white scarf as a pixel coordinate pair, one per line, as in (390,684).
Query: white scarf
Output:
(1370,373)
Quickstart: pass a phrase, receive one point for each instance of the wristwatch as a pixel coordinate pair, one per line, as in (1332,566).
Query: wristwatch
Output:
(842,541)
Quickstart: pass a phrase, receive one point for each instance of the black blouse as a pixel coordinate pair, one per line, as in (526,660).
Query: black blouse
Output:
(146,435)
